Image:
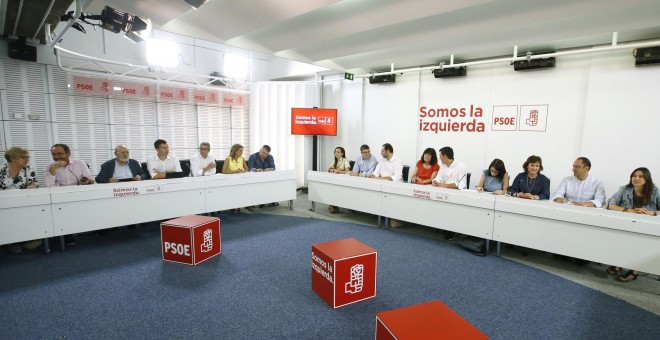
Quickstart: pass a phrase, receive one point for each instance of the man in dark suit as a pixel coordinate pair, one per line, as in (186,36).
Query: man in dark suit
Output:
(120,168)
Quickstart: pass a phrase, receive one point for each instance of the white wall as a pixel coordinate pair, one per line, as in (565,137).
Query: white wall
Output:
(598,106)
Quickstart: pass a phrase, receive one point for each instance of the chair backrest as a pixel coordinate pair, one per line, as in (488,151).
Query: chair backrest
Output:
(467,180)
(218,166)
(352,163)
(185,167)
(147,174)
(406,170)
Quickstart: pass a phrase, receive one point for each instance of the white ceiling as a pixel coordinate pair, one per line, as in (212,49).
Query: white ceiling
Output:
(366,35)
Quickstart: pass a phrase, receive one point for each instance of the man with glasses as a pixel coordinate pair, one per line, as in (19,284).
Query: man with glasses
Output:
(365,164)
(65,171)
(122,168)
(203,162)
(262,160)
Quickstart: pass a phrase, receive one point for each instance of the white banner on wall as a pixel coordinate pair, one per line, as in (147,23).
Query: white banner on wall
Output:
(533,117)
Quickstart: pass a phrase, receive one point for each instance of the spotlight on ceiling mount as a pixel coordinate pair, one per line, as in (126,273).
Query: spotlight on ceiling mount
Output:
(137,28)
(196,4)
(534,64)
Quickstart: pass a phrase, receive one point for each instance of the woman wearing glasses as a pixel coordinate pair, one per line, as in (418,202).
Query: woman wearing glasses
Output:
(495,179)
(17,174)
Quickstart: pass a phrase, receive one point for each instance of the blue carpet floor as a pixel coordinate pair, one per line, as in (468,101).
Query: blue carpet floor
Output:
(117,287)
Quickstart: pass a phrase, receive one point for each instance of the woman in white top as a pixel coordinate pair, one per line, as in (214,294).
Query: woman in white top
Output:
(341,165)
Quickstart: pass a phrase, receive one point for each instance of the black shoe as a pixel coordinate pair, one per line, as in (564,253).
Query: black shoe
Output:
(449,236)
(581,262)
(69,240)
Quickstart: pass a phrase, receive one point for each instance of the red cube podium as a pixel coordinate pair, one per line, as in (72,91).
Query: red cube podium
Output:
(429,320)
(190,239)
(343,271)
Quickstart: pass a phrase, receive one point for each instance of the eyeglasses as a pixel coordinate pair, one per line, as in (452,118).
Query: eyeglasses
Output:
(27,158)
(203,148)
(366,151)
(493,171)
(58,153)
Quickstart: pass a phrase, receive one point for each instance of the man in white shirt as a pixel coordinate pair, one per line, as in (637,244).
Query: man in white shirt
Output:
(390,167)
(203,163)
(452,172)
(581,188)
(162,162)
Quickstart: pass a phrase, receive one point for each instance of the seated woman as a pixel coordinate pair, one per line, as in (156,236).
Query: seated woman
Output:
(495,179)
(639,196)
(531,184)
(235,164)
(17,174)
(341,165)
(426,168)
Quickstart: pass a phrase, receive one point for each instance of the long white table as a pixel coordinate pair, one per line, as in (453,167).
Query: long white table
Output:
(605,236)
(357,193)
(45,212)
(25,215)
(600,235)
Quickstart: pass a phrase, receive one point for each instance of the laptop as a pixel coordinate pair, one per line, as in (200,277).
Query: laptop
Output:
(174,175)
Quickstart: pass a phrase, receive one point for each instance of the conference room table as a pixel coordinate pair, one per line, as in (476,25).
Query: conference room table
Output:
(57,211)
(600,235)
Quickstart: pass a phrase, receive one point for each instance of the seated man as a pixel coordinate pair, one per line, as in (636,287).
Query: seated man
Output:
(121,168)
(162,162)
(389,168)
(203,162)
(262,160)
(452,173)
(65,171)
(365,164)
(581,189)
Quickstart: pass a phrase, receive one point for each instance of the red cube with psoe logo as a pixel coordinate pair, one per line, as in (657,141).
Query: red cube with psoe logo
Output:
(190,239)
(344,271)
(429,320)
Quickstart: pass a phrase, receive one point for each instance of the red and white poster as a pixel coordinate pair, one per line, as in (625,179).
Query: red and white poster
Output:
(233,99)
(129,90)
(200,96)
(213,97)
(104,86)
(84,85)
(146,91)
(167,93)
(182,94)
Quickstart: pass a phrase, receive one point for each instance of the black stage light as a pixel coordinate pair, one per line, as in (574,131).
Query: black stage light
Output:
(450,72)
(647,56)
(195,3)
(139,29)
(115,21)
(384,79)
(533,64)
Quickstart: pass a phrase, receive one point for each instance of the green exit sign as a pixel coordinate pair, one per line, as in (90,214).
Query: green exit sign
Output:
(348,76)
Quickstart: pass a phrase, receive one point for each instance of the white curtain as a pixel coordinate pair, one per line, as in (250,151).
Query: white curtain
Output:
(270,123)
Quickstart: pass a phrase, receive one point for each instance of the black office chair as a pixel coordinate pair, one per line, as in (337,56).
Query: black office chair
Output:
(147,174)
(352,163)
(185,167)
(406,170)
(467,180)
(219,165)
